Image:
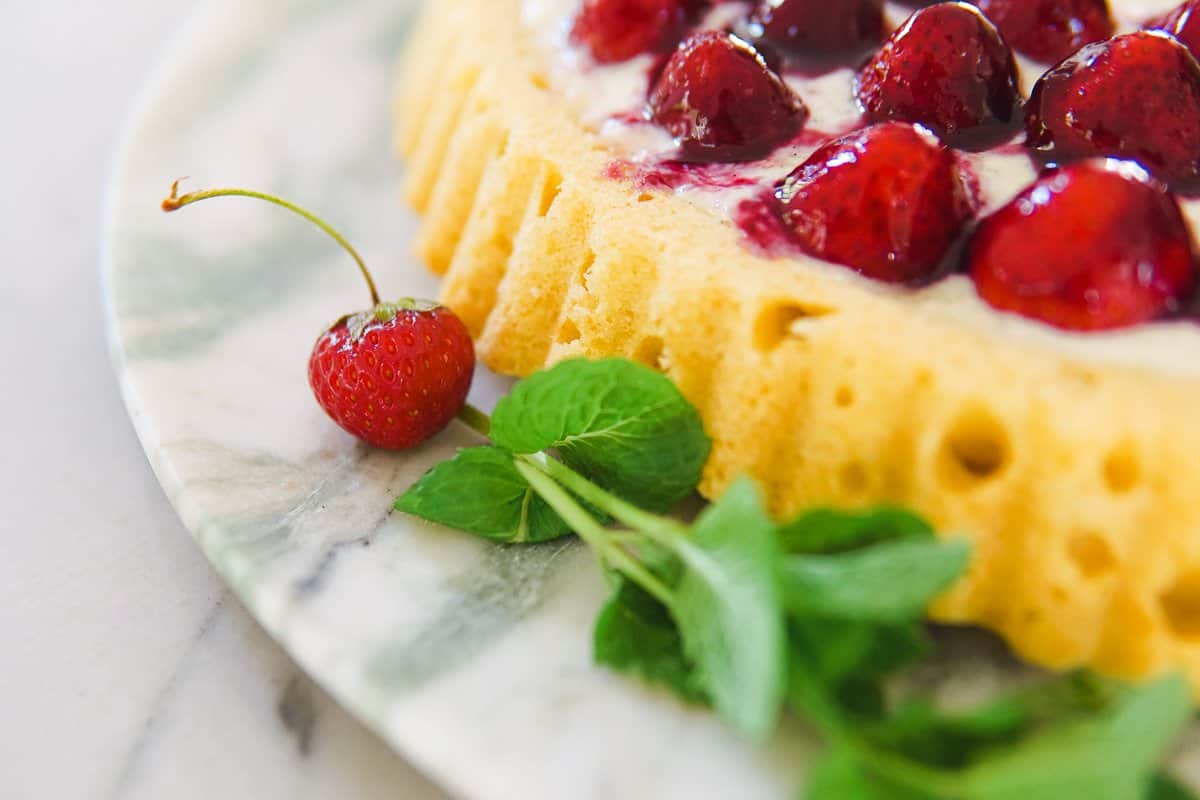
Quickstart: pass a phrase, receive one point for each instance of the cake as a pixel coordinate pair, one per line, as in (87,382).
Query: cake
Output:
(1060,439)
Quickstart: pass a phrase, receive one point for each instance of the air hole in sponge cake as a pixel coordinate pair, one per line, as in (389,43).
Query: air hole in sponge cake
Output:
(844,397)
(782,321)
(1180,605)
(568,332)
(1122,470)
(974,450)
(1091,553)
(649,351)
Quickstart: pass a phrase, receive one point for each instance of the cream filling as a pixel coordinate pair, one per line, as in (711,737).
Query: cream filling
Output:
(602,97)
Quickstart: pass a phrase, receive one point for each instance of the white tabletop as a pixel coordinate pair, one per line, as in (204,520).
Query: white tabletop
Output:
(126,669)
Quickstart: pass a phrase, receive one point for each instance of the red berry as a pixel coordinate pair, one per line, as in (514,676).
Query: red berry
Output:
(887,201)
(719,98)
(1135,96)
(395,376)
(1049,30)
(1184,24)
(818,26)
(1091,246)
(617,30)
(947,68)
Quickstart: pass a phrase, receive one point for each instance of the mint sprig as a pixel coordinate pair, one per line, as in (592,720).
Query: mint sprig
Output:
(816,615)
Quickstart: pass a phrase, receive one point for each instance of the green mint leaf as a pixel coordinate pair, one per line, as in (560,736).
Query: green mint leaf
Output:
(949,740)
(1109,756)
(825,530)
(840,776)
(621,424)
(636,634)
(728,609)
(1164,787)
(889,582)
(480,491)
(838,667)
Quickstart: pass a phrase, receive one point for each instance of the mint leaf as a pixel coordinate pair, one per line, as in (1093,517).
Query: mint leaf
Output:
(949,740)
(480,491)
(1109,756)
(728,609)
(840,776)
(889,582)
(825,530)
(621,424)
(1164,787)
(636,634)
(838,666)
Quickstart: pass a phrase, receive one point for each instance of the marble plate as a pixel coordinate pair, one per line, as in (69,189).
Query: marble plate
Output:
(471,660)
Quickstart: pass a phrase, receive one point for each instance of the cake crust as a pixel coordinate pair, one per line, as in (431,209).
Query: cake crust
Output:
(1072,478)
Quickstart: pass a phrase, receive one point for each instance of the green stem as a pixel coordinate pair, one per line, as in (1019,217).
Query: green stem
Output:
(939,782)
(175,202)
(475,419)
(661,529)
(592,532)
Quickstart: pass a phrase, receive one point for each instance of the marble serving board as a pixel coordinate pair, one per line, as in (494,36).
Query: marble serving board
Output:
(470,659)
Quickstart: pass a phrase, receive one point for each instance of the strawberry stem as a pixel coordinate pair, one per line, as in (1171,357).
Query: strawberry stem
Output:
(175,202)
(475,419)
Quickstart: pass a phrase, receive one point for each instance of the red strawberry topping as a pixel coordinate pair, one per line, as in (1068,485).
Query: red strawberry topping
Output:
(818,26)
(1091,246)
(618,30)
(718,97)
(887,201)
(396,376)
(1135,96)
(1184,24)
(1049,30)
(947,68)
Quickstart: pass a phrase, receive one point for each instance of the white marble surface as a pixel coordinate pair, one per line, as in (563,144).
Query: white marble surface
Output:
(126,669)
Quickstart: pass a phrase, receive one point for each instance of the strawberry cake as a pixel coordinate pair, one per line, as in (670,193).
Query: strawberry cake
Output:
(933,255)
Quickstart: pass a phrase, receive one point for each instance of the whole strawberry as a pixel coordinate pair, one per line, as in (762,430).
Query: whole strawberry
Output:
(392,376)
(1095,245)
(1135,96)
(946,68)
(1049,30)
(396,376)
(886,201)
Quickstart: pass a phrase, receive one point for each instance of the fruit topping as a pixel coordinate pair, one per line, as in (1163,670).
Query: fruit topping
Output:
(1049,30)
(947,68)
(1094,245)
(886,201)
(1184,24)
(618,30)
(719,99)
(396,375)
(1135,96)
(818,26)
(392,376)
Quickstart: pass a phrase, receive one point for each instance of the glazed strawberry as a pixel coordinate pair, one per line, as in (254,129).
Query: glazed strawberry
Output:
(887,201)
(1135,96)
(818,26)
(1049,30)
(1094,245)
(947,68)
(392,376)
(719,99)
(1183,23)
(618,30)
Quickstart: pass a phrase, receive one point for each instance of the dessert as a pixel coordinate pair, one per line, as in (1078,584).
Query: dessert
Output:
(1052,424)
